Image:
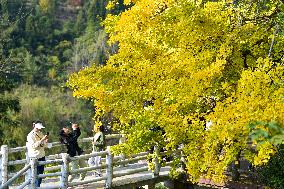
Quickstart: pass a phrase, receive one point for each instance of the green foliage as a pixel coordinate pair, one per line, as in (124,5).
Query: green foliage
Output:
(160,186)
(8,79)
(52,38)
(55,107)
(272,173)
(266,137)
(91,48)
(39,42)
(261,132)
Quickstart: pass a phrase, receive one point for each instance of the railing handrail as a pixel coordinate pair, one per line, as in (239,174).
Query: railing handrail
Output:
(53,156)
(64,160)
(86,156)
(11,180)
(5,151)
(118,161)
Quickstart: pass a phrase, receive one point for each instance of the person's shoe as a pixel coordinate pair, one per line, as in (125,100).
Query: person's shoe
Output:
(71,178)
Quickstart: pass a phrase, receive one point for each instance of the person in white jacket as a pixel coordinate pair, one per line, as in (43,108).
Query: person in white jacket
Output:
(36,142)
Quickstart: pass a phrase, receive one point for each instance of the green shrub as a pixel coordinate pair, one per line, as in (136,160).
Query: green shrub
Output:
(160,186)
(272,174)
(55,107)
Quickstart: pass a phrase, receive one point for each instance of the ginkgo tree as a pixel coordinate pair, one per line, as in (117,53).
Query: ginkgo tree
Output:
(198,62)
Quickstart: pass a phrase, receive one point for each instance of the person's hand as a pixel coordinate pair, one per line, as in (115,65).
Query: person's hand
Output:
(93,142)
(74,126)
(45,137)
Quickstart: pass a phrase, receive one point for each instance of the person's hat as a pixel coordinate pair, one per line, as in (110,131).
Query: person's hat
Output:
(39,126)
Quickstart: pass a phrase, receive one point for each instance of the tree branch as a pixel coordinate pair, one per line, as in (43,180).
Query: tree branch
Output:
(265,17)
(272,41)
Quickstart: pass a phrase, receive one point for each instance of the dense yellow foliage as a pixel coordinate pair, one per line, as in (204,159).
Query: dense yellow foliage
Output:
(186,56)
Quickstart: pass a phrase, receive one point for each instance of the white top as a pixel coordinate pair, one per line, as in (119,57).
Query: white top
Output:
(34,146)
(97,136)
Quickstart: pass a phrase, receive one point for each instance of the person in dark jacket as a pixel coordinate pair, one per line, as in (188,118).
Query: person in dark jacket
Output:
(70,139)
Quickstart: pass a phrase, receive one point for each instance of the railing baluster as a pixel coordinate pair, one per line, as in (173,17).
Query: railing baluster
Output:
(156,161)
(64,171)
(16,176)
(28,175)
(109,170)
(31,175)
(122,140)
(4,164)
(33,162)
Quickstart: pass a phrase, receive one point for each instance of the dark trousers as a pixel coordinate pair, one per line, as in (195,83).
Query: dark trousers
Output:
(40,169)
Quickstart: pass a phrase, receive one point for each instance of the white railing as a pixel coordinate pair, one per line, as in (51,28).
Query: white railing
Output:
(5,163)
(60,163)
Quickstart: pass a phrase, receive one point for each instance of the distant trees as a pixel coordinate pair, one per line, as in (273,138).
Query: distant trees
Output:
(92,47)
(55,107)
(8,74)
(41,43)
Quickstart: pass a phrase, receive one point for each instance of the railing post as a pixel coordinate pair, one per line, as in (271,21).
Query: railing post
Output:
(4,164)
(64,170)
(33,162)
(28,175)
(156,161)
(122,140)
(109,169)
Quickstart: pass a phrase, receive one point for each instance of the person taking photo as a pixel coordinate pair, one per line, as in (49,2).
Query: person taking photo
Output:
(70,139)
(36,144)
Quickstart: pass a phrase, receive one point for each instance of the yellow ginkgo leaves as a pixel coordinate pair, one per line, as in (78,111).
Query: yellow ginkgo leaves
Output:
(197,62)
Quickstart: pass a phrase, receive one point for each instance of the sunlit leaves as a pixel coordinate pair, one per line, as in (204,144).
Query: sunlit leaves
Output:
(198,61)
